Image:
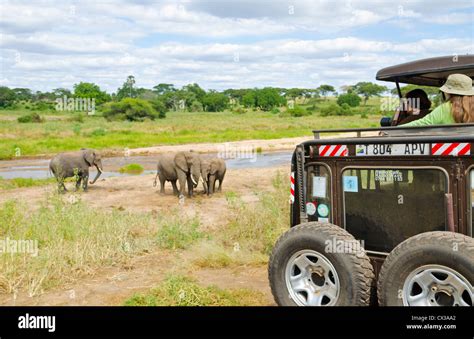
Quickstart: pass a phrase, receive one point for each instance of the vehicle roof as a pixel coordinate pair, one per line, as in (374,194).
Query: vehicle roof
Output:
(428,72)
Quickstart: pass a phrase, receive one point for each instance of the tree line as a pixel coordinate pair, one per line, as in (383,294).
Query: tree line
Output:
(164,97)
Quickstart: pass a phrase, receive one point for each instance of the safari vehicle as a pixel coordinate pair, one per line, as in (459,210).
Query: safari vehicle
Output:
(382,218)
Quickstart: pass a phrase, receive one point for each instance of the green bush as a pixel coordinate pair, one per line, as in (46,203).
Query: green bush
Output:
(297,111)
(33,117)
(99,132)
(334,109)
(350,98)
(159,107)
(238,110)
(130,109)
(132,169)
(275,110)
(196,106)
(79,117)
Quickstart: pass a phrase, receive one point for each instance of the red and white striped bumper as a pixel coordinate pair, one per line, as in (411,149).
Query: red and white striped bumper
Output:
(451,148)
(333,151)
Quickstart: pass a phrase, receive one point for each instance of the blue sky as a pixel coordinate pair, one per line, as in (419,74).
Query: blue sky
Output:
(223,44)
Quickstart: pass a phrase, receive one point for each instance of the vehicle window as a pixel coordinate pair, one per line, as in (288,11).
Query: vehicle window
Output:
(383,207)
(318,204)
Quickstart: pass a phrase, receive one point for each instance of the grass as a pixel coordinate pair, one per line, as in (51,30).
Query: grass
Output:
(175,234)
(251,233)
(74,240)
(61,132)
(24,182)
(132,169)
(178,290)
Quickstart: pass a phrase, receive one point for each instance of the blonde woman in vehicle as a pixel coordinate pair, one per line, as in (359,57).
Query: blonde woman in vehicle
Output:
(458,107)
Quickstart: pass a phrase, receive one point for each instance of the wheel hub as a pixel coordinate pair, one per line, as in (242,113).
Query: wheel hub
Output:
(437,285)
(311,279)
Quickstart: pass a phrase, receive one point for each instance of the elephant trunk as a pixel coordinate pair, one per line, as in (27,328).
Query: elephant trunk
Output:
(99,172)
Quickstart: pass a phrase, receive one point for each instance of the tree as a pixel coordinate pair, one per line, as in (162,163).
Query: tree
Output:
(159,107)
(198,92)
(127,90)
(268,97)
(7,97)
(131,109)
(326,89)
(369,89)
(61,92)
(92,91)
(249,99)
(164,88)
(23,94)
(350,99)
(215,101)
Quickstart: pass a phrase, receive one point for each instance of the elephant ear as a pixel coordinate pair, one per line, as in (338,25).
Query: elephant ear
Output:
(89,156)
(181,162)
(214,167)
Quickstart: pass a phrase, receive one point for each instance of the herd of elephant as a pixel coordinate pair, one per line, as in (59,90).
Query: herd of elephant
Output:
(185,168)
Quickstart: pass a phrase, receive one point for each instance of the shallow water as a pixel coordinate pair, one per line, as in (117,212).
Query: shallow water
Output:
(39,168)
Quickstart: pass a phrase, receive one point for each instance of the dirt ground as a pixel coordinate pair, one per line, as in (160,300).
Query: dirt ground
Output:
(112,285)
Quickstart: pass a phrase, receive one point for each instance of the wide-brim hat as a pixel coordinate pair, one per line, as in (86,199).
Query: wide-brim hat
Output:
(459,84)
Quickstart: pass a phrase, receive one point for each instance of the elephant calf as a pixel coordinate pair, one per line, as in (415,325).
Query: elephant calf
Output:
(212,170)
(184,167)
(76,164)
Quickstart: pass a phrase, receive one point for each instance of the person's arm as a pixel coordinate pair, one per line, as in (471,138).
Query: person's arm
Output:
(441,115)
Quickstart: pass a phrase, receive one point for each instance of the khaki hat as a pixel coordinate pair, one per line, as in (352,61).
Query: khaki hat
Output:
(458,84)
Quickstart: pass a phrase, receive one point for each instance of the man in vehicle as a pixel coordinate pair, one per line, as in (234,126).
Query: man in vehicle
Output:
(458,107)
(416,105)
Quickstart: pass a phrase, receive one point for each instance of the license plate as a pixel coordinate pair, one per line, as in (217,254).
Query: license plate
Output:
(391,150)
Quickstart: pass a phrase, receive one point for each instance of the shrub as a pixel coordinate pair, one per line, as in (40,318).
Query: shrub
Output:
(196,106)
(33,117)
(130,109)
(298,111)
(275,110)
(159,107)
(79,117)
(99,132)
(334,109)
(132,169)
(238,110)
(350,98)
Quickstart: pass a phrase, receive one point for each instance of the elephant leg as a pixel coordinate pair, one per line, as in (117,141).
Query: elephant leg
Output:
(220,185)
(182,183)
(212,184)
(175,188)
(61,187)
(78,183)
(85,182)
(190,186)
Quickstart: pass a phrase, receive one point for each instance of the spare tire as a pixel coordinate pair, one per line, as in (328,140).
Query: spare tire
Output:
(319,264)
(429,269)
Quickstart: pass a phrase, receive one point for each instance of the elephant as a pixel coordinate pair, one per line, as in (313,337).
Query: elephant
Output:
(76,164)
(184,167)
(212,170)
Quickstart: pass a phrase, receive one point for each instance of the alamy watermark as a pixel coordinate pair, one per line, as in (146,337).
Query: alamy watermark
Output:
(14,246)
(76,104)
(345,246)
(404,104)
(229,151)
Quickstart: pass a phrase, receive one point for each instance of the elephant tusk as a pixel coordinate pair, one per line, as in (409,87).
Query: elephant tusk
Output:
(100,170)
(194,181)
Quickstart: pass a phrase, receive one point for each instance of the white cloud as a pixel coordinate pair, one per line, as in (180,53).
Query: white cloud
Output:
(233,44)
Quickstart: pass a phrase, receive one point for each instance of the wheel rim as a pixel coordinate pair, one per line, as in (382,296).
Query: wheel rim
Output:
(437,285)
(311,279)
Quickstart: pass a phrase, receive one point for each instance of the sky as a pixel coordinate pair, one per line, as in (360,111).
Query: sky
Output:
(223,44)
